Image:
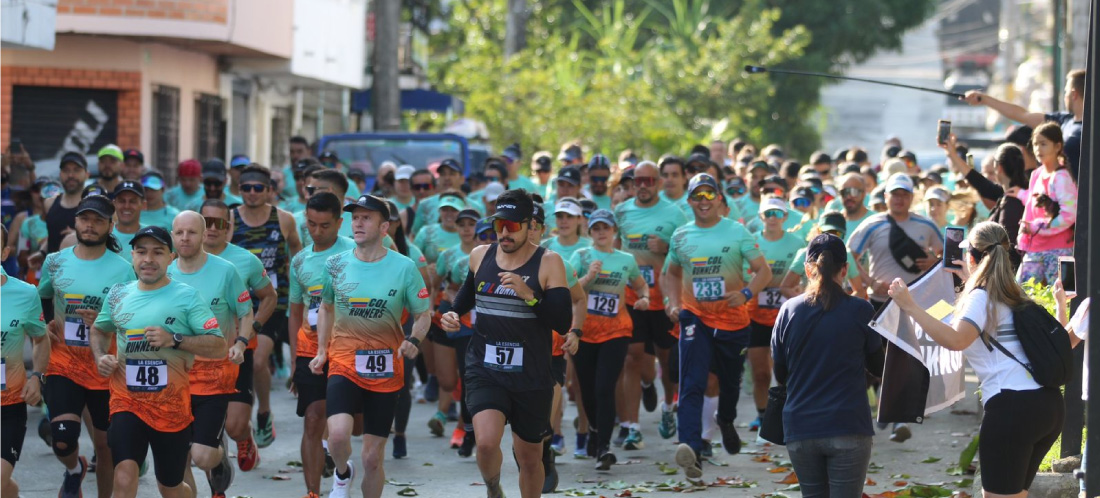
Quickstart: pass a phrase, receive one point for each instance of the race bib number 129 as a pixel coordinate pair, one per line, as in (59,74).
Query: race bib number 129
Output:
(603,303)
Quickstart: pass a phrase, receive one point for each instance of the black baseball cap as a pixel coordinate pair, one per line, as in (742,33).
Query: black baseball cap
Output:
(516,208)
(776,179)
(328,155)
(833,220)
(570,174)
(539,213)
(543,163)
(571,153)
(214,169)
(129,186)
(703,159)
(827,243)
(702,180)
(450,163)
(134,154)
(370,202)
(468,214)
(74,157)
(98,204)
(94,189)
(820,157)
(157,233)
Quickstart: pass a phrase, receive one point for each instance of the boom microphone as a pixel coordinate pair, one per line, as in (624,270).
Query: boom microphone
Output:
(761,69)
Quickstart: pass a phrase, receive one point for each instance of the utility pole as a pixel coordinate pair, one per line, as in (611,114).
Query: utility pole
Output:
(386,93)
(1057,53)
(515,28)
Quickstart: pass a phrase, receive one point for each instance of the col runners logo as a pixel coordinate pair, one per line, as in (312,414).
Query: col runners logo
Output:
(135,335)
(74,299)
(315,290)
(698,262)
(359,302)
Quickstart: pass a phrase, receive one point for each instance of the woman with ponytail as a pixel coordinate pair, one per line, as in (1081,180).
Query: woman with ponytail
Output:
(1050,209)
(1022,419)
(822,347)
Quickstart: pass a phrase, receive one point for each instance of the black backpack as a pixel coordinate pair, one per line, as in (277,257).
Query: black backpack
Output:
(1045,342)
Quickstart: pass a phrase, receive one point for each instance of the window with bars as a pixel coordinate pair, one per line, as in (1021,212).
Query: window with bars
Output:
(166,124)
(209,127)
(280,137)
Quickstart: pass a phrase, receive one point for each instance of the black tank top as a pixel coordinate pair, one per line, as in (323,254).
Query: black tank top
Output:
(267,243)
(58,218)
(510,346)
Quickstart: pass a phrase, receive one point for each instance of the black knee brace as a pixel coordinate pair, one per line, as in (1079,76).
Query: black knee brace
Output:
(66,437)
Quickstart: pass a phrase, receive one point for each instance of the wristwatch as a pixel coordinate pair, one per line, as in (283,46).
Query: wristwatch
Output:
(32,373)
(531,302)
(577,332)
(414,341)
(177,339)
(257,326)
(242,340)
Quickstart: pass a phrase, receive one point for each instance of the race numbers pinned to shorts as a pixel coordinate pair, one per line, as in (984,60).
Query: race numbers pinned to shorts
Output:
(146,375)
(504,356)
(374,363)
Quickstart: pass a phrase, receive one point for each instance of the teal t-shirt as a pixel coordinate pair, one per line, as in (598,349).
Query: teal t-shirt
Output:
(153,382)
(748,206)
(249,267)
(181,200)
(292,205)
(618,270)
(307,270)
(447,266)
(712,260)
(21,310)
(526,184)
(124,239)
(799,265)
(221,287)
(33,231)
(602,201)
(160,217)
(851,225)
(566,252)
(73,284)
(401,206)
(302,226)
(636,225)
(432,240)
(780,255)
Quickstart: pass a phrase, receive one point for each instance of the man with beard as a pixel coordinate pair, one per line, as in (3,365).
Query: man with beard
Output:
(158,326)
(213,183)
(74,284)
(853,193)
(599,173)
(110,166)
(521,296)
(129,200)
(61,210)
(211,380)
(134,165)
(268,232)
(298,150)
(186,195)
(238,419)
(646,225)
(674,180)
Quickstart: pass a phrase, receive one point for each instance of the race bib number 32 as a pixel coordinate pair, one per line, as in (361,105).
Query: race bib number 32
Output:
(76,332)
(708,288)
(146,375)
(374,363)
(770,298)
(603,303)
(504,356)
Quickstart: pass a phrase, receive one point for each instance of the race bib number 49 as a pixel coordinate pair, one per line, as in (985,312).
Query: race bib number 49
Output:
(603,303)
(146,375)
(708,288)
(374,363)
(504,356)
(76,332)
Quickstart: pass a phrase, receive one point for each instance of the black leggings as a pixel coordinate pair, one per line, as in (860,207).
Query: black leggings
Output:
(1018,429)
(461,343)
(598,366)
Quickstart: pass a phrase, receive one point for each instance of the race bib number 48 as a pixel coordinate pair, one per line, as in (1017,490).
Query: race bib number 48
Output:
(146,375)
(708,288)
(504,356)
(374,363)
(76,332)
(603,303)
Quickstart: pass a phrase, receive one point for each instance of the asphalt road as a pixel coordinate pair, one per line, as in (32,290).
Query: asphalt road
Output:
(432,469)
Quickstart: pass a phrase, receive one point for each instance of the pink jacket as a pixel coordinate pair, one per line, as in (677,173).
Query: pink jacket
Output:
(1047,234)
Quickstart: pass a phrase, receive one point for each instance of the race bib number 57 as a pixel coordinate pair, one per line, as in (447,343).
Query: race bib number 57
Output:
(504,356)
(146,375)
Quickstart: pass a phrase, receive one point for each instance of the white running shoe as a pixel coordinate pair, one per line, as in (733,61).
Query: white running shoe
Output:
(340,487)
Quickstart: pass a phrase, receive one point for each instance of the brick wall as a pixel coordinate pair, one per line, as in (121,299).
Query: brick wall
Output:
(127,83)
(213,11)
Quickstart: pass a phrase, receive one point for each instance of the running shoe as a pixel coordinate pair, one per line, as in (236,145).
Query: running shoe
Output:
(557,444)
(649,397)
(70,483)
(667,429)
(687,460)
(606,460)
(623,433)
(452,413)
(582,442)
(457,436)
(731,441)
(549,469)
(341,487)
(708,450)
(755,424)
(218,495)
(248,457)
(92,463)
(221,476)
(468,444)
(330,465)
(634,440)
(144,468)
(436,423)
(901,433)
(265,430)
(431,390)
(282,371)
(311,494)
(399,447)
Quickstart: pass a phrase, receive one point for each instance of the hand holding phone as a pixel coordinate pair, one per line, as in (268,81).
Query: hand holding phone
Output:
(952,249)
(1066,269)
(943,130)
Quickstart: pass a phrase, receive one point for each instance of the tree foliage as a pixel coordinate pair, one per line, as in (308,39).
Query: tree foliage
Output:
(656,75)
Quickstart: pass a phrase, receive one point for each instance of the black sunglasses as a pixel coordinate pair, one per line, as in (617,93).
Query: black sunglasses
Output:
(253,187)
(487,236)
(422,186)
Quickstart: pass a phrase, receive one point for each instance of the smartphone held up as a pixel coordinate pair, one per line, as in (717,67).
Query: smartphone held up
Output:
(952,247)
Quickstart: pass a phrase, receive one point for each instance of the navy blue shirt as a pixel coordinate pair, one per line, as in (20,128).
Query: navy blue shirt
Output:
(826,383)
(1071,135)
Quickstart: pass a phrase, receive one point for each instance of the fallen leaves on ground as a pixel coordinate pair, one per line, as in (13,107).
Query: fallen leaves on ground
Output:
(279,477)
(790,479)
(762,458)
(778,470)
(408,492)
(931,459)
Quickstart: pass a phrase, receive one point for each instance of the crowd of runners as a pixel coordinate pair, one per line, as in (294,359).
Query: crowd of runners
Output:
(158,315)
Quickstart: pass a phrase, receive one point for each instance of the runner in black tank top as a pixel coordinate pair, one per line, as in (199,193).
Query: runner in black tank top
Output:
(58,218)
(508,376)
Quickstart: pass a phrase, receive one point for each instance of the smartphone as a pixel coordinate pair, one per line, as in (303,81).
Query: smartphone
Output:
(1066,270)
(943,131)
(952,239)
(970,160)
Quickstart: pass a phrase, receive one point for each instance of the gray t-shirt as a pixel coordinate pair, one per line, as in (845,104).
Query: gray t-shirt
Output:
(872,237)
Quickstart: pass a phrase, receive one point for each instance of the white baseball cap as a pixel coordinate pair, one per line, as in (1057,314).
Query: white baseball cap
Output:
(492,191)
(569,206)
(939,193)
(899,181)
(774,203)
(405,172)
